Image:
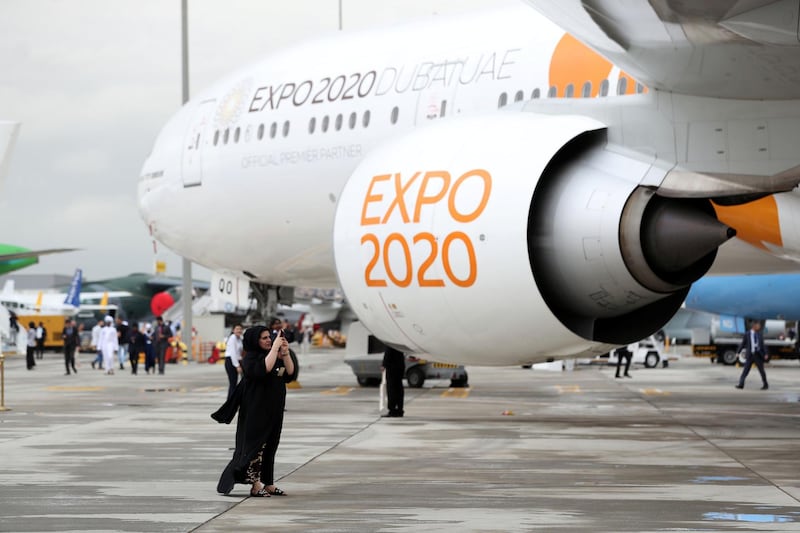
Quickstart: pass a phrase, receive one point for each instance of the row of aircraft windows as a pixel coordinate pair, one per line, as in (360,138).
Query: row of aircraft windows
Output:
(569,91)
(234,136)
(225,136)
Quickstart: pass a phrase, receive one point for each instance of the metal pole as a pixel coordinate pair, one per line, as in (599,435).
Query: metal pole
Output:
(3,383)
(186,323)
(340,15)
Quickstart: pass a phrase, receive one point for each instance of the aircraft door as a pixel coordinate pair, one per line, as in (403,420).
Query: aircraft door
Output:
(197,136)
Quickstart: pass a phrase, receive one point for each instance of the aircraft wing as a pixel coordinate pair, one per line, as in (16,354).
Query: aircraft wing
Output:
(723,48)
(107,294)
(28,254)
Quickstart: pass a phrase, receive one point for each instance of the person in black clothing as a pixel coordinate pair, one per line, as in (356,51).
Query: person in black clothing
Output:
(72,340)
(162,335)
(266,368)
(621,353)
(41,337)
(394,362)
(138,344)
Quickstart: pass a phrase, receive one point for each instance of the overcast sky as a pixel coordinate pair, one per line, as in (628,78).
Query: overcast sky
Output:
(92,82)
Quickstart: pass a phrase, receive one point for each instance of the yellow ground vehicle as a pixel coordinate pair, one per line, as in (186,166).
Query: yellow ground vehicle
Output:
(54,324)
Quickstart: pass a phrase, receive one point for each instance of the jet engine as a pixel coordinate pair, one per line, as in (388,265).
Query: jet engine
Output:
(515,238)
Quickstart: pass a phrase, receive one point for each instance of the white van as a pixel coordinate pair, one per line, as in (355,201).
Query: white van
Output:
(649,352)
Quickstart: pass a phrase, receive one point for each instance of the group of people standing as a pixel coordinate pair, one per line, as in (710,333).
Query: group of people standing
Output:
(127,342)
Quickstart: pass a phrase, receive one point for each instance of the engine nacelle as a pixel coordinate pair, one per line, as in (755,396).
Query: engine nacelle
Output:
(508,239)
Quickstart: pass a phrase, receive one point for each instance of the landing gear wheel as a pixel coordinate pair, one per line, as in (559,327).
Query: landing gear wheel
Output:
(415,377)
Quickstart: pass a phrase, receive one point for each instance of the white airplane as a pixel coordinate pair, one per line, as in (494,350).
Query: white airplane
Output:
(443,172)
(56,303)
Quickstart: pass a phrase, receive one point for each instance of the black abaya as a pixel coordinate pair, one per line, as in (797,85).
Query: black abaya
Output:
(258,429)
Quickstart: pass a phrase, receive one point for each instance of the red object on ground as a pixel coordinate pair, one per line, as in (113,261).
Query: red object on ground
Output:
(161,302)
(214,356)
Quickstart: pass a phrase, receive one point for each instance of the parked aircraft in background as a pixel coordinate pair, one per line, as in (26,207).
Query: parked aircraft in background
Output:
(139,290)
(759,296)
(493,162)
(57,303)
(15,257)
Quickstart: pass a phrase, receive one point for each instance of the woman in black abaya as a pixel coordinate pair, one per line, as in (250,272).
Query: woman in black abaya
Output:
(266,368)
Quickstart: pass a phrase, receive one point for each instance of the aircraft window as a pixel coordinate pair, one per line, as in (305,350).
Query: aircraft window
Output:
(312,124)
(225,136)
(570,92)
(338,123)
(443,109)
(395,114)
(622,85)
(604,88)
(502,100)
(325,121)
(586,92)
(273,130)
(285,131)
(352,121)
(639,88)
(260,132)
(519,96)
(365,118)
(552,92)
(216,137)
(236,133)
(536,93)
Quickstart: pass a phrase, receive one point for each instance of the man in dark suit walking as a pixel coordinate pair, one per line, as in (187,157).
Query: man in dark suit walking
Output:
(753,344)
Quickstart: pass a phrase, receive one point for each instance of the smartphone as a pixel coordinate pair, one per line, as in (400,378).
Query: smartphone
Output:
(280,334)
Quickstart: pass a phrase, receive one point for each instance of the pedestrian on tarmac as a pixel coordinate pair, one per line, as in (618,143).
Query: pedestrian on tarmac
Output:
(625,352)
(41,336)
(266,368)
(753,344)
(137,342)
(109,344)
(162,336)
(233,357)
(30,355)
(394,363)
(98,360)
(123,334)
(149,350)
(72,340)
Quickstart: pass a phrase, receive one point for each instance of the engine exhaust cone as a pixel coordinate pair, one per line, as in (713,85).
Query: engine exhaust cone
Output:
(675,235)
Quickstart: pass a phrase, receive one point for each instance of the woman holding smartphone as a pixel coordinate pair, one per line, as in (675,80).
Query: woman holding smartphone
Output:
(266,368)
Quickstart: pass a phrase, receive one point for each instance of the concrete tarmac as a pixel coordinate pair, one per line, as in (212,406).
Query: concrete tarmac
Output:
(673,449)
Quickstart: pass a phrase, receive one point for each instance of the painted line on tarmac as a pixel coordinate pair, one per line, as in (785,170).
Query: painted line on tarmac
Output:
(654,392)
(455,393)
(341,390)
(568,389)
(68,388)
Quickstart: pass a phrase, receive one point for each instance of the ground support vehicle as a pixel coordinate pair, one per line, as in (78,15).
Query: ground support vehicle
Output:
(721,342)
(649,352)
(725,350)
(367,369)
(365,357)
